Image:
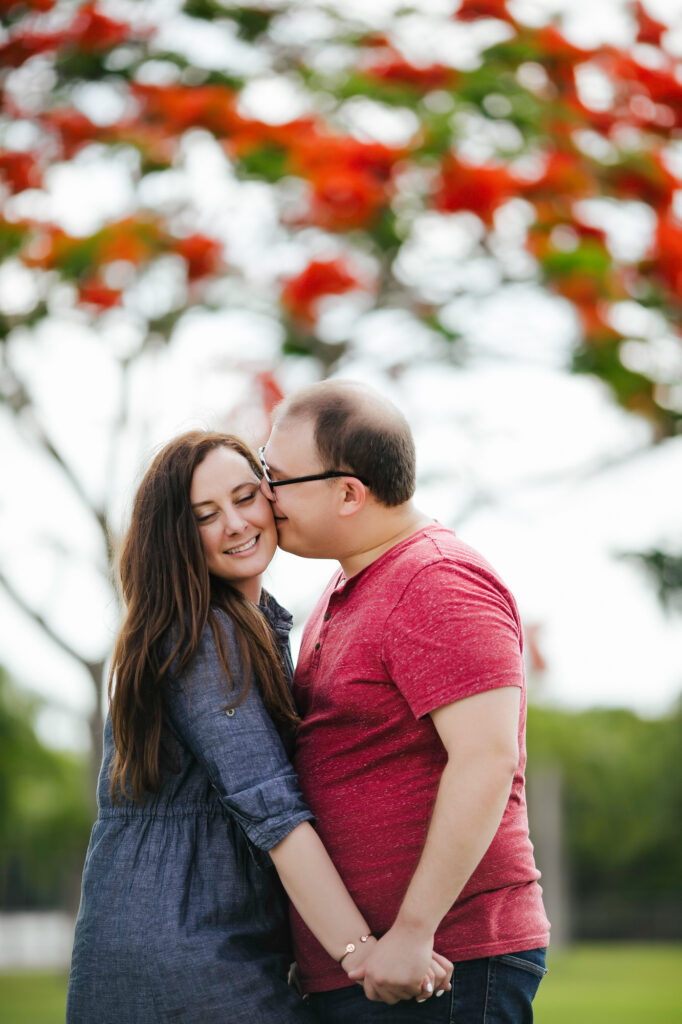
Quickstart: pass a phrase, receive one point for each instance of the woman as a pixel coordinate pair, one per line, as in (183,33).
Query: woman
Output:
(182,916)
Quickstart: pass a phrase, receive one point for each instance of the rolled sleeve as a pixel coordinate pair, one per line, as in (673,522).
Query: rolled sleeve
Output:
(240,749)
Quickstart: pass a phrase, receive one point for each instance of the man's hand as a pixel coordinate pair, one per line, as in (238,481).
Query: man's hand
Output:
(400,966)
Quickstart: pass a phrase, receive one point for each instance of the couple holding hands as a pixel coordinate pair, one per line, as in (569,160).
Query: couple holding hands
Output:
(368,820)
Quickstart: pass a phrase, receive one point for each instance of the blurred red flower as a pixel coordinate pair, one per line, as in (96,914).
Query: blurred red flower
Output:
(23,45)
(648,29)
(134,241)
(301,293)
(314,151)
(92,31)
(75,130)
(271,393)
(565,174)
(390,66)
(89,31)
(94,293)
(660,85)
(9,6)
(203,255)
(20,170)
(668,253)
(478,188)
(643,176)
(472,10)
(182,106)
(343,198)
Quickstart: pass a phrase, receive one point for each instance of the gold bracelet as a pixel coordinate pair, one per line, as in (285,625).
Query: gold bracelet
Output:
(351,947)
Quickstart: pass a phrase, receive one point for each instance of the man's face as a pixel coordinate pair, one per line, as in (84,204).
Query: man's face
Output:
(305,512)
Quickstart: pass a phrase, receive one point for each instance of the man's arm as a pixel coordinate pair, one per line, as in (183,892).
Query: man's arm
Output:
(480,735)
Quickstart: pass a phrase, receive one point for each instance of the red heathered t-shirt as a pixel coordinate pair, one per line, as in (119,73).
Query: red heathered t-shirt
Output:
(427,623)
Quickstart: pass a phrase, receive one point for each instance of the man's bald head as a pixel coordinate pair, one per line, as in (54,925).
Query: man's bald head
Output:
(359,431)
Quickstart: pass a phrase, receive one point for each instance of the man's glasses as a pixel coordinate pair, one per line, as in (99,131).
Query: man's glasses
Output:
(299,479)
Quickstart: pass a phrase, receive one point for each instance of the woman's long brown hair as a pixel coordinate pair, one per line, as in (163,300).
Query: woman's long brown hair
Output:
(170,597)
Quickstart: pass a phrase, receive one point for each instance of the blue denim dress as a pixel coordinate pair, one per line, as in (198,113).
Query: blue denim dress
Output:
(182,917)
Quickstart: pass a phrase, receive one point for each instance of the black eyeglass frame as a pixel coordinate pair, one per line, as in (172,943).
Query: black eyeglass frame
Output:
(300,479)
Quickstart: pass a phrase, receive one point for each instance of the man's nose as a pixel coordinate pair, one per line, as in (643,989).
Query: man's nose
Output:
(267,490)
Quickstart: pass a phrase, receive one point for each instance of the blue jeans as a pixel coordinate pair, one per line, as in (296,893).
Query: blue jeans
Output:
(493,990)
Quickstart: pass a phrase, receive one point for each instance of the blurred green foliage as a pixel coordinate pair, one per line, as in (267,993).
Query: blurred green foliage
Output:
(45,811)
(622,802)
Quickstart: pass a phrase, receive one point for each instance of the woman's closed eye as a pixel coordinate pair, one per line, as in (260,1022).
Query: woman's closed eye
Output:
(248,497)
(206,518)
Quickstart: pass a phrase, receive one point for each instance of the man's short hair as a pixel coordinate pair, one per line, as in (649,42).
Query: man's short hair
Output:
(359,431)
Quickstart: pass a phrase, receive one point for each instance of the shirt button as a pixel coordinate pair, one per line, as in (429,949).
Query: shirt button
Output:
(317,646)
(327,616)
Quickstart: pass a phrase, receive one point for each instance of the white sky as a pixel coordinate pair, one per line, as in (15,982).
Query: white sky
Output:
(507,448)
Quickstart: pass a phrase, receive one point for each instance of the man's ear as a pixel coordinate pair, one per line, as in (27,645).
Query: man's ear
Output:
(354,496)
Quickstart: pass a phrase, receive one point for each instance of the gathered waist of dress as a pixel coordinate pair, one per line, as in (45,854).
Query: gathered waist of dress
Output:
(164,811)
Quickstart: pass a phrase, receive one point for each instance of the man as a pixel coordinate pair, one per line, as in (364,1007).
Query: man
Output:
(411,750)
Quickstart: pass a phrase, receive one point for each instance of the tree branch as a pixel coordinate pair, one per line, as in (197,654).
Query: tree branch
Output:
(44,625)
(484,498)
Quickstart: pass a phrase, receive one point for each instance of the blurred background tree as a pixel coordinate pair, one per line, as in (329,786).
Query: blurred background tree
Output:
(622,797)
(333,176)
(45,811)
(394,181)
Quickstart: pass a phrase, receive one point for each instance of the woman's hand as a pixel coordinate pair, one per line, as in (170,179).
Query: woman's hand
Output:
(401,966)
(438,978)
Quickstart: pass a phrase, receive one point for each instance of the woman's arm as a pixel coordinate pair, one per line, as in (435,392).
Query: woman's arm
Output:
(317,891)
(315,888)
(247,765)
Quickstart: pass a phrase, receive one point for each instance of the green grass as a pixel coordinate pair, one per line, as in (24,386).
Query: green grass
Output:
(32,998)
(612,984)
(588,984)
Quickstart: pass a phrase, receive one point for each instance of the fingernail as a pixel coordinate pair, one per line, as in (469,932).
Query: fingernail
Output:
(440,992)
(429,987)
(420,1000)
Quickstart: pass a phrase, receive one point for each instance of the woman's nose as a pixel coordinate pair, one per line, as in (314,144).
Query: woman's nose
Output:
(234,521)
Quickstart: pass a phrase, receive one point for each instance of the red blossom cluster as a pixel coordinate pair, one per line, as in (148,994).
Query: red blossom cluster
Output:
(648,29)
(8,8)
(90,31)
(474,10)
(179,107)
(478,188)
(352,182)
(389,66)
(134,240)
(301,294)
(668,253)
(20,170)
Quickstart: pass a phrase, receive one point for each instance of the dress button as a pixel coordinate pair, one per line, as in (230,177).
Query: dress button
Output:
(317,646)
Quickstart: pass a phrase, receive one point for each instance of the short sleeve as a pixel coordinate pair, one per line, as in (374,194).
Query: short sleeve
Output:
(454,632)
(240,750)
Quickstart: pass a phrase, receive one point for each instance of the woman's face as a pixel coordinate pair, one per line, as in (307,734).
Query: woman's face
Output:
(235,520)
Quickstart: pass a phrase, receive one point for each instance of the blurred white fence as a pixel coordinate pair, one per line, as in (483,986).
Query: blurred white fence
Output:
(35,940)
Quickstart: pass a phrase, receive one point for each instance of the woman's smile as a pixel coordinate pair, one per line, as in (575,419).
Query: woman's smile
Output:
(244,548)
